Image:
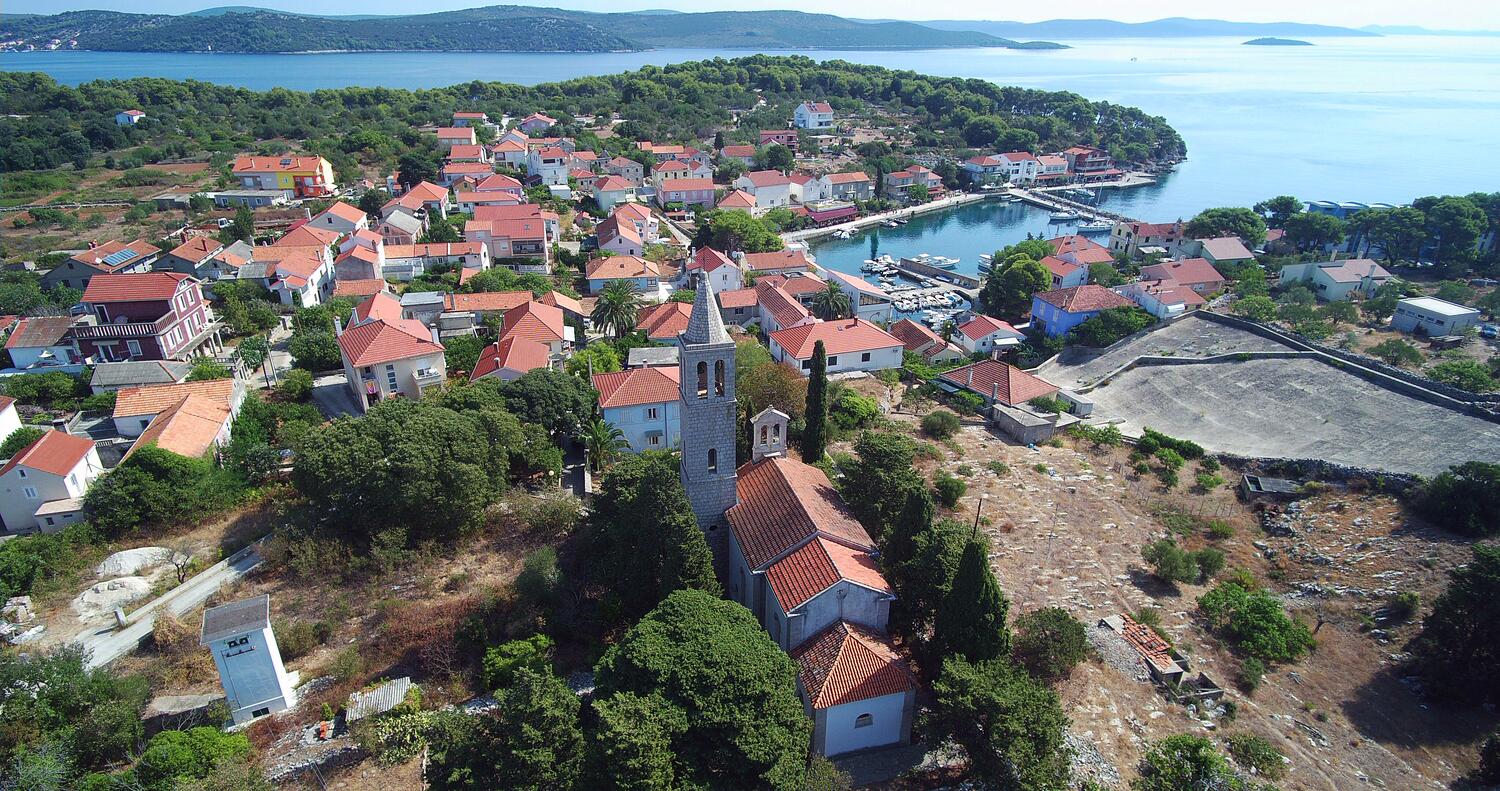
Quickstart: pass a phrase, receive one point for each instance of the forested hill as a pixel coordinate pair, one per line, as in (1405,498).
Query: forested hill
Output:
(44,124)
(494,28)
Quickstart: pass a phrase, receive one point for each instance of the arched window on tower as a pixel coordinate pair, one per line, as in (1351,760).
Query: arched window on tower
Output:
(718,377)
(775,431)
(702,379)
(713,459)
(762,435)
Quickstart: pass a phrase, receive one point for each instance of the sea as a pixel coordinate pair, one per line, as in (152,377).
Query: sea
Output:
(1380,119)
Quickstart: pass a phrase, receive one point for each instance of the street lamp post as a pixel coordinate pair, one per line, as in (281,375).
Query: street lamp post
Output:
(977,511)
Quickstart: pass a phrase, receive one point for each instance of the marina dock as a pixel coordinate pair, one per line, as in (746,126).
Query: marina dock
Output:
(1055,202)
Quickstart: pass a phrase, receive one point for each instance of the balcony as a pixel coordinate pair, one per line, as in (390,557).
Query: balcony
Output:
(130,329)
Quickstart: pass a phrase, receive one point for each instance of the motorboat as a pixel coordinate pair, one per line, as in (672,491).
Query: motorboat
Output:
(1062,216)
(1096,226)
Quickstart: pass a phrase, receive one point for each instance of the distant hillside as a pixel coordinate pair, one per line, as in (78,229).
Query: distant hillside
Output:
(1414,30)
(1161,28)
(1277,42)
(495,28)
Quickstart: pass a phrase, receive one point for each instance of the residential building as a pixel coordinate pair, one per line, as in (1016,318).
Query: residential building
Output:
(739,200)
(549,165)
(10,419)
(1225,251)
(467,312)
(1432,317)
(358,289)
(781,262)
(129,117)
(868,301)
(1018,167)
(1161,298)
(302,176)
(404,262)
(688,192)
(193,428)
(250,199)
(341,218)
(998,383)
(807,189)
(1051,168)
(679,169)
(771,188)
(619,237)
(1065,274)
(744,154)
(611,191)
(645,222)
(644,404)
(499,182)
(542,323)
(1194,273)
(919,339)
(1080,250)
(536,122)
(626,168)
(450,136)
(898,185)
(37,343)
(1087,162)
(740,306)
(243,645)
(456,172)
(42,486)
(300,275)
(400,228)
(420,200)
(468,153)
(112,377)
(511,358)
(644,275)
(112,257)
(1338,280)
(468,201)
(777,308)
(851,345)
(779,137)
(1130,237)
(387,356)
(471,119)
(136,408)
(206,258)
(817,116)
(1058,312)
(985,334)
(149,316)
(518,243)
(848,186)
(664,321)
(510,153)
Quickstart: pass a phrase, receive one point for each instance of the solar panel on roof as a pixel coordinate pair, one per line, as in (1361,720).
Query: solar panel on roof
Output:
(120,256)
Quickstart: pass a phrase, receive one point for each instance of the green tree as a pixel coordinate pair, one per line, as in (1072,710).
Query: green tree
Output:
(1490,303)
(618,308)
(204,368)
(253,352)
(1380,307)
(296,385)
(415,167)
(971,622)
(1339,312)
(1464,498)
(1008,289)
(1455,291)
(918,193)
(631,748)
(876,484)
(1399,232)
(1255,623)
(1105,275)
(1454,652)
(532,740)
(461,353)
(187,755)
(1314,230)
(831,303)
(1240,222)
(1455,225)
(814,437)
(710,659)
(373,201)
(1049,642)
(777,157)
(596,358)
(551,399)
(19,440)
(1256,308)
(1278,210)
(1111,325)
(243,227)
(916,517)
(1184,762)
(604,441)
(504,661)
(92,715)
(1470,375)
(315,350)
(735,231)
(1010,726)
(645,535)
(1397,352)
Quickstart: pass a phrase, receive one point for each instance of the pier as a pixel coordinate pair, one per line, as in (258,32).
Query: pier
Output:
(1057,203)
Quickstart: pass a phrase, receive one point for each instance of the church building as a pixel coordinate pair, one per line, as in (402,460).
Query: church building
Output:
(794,555)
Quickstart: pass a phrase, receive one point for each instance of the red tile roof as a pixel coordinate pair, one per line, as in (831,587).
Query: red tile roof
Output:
(358,288)
(95,256)
(666,321)
(687,185)
(345,212)
(1058,267)
(784,503)
(534,321)
(1009,384)
(800,284)
(638,386)
(982,326)
(738,298)
(914,336)
(1080,249)
(847,662)
(277,164)
(708,259)
(37,331)
(54,452)
(737,199)
(1189,272)
(767,178)
(563,302)
(1148,644)
(511,354)
(818,107)
(781,307)
(816,567)
(486,300)
(847,178)
(497,182)
(672,166)
(738,151)
(433,250)
(307,236)
(783,259)
(376,342)
(455,132)
(1084,299)
(187,428)
(137,287)
(198,249)
(619,267)
(153,399)
(843,336)
(611,184)
(6,402)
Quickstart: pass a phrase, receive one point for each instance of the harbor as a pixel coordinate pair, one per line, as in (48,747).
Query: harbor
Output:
(929,291)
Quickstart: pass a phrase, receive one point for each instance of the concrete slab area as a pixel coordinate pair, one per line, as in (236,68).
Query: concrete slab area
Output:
(1296,408)
(1190,337)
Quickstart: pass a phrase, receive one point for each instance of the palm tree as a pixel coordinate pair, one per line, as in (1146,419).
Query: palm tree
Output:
(831,303)
(604,442)
(617,308)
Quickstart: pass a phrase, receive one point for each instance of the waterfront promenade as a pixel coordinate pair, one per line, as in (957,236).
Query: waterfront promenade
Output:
(940,204)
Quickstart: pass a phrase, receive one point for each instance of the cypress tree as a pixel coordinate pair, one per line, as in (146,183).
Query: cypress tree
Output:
(916,516)
(815,435)
(972,619)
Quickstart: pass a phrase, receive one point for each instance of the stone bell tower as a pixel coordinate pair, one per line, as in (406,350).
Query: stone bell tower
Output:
(709,413)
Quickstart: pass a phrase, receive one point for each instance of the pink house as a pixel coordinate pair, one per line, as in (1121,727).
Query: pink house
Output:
(688,192)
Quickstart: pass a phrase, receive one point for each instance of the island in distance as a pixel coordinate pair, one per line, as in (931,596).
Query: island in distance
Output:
(1277,42)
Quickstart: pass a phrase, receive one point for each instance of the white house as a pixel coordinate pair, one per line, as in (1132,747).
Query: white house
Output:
(809,189)
(1432,316)
(646,224)
(851,345)
(248,660)
(643,403)
(1013,166)
(341,217)
(984,334)
(386,356)
(37,343)
(1161,298)
(868,301)
(1065,274)
(550,164)
(723,275)
(813,115)
(643,274)
(771,188)
(619,237)
(611,191)
(42,486)
(137,407)
(1338,280)
(129,117)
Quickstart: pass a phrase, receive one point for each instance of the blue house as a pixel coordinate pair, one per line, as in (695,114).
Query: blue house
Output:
(643,403)
(1057,312)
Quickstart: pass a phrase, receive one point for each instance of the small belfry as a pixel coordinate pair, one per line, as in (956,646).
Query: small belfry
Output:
(709,413)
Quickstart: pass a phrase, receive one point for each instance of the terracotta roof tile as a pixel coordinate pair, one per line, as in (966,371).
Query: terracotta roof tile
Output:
(486,300)
(839,337)
(738,298)
(511,354)
(665,321)
(780,306)
(782,504)
(620,267)
(377,341)
(784,259)
(1084,299)
(187,428)
(358,288)
(847,662)
(913,336)
(54,452)
(534,321)
(638,386)
(816,566)
(1188,272)
(137,287)
(982,326)
(198,249)
(155,399)
(993,378)
(36,331)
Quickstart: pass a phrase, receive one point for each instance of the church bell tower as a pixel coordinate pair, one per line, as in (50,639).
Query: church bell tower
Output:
(709,414)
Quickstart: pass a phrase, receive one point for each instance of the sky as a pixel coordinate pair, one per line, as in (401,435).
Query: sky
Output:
(1449,14)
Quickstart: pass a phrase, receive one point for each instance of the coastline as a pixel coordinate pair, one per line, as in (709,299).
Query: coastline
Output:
(1020,46)
(953,202)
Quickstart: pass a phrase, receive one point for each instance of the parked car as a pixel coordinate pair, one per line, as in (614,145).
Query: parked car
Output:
(1489,331)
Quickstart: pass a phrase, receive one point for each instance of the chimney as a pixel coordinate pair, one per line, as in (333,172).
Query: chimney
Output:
(338,326)
(969,379)
(995,392)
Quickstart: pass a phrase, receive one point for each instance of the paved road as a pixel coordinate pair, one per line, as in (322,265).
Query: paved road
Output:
(107,644)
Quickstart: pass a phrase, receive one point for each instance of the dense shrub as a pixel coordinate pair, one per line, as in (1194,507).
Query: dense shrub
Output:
(940,424)
(1455,651)
(296,385)
(1109,326)
(19,440)
(1171,563)
(503,661)
(1465,498)
(1258,754)
(1254,621)
(1049,642)
(156,486)
(949,488)
(26,561)
(1182,762)
(1152,440)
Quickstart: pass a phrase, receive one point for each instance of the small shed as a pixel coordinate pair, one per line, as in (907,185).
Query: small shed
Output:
(379,700)
(1255,487)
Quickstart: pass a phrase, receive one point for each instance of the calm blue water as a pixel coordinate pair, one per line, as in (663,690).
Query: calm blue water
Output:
(1376,119)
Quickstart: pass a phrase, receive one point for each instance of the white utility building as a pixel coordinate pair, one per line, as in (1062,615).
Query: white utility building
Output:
(249,663)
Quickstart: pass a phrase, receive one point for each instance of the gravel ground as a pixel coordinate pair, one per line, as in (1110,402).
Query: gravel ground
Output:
(1117,653)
